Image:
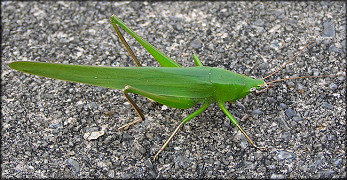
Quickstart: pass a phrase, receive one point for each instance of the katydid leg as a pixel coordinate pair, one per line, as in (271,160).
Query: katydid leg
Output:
(119,34)
(163,59)
(178,102)
(162,99)
(234,121)
(137,109)
(197,61)
(196,113)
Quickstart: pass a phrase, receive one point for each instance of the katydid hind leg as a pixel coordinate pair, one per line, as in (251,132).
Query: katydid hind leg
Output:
(124,42)
(175,102)
(191,116)
(137,109)
(163,59)
(236,123)
(161,99)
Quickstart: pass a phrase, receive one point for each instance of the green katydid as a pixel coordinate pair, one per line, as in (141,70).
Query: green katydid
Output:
(171,84)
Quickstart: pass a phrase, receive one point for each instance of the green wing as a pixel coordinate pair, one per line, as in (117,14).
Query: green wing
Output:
(190,82)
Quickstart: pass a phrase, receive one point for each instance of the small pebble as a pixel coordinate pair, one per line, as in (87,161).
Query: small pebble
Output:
(283,106)
(93,135)
(283,155)
(74,164)
(333,86)
(257,112)
(196,44)
(290,113)
(327,105)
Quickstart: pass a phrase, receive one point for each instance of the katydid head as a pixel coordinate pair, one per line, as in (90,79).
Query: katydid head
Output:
(251,86)
(256,86)
(230,86)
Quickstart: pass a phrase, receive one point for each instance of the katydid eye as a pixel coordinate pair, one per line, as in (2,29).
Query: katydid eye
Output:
(253,89)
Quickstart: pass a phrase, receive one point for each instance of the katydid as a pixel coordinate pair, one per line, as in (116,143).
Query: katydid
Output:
(171,84)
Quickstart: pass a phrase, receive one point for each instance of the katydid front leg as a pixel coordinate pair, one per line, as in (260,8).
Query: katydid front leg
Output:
(234,121)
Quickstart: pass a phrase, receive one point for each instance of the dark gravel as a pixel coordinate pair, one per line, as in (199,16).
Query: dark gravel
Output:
(302,122)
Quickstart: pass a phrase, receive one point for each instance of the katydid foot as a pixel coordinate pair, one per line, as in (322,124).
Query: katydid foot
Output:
(137,109)
(248,138)
(126,126)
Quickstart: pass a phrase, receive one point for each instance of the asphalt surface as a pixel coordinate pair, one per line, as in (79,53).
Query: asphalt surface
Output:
(45,122)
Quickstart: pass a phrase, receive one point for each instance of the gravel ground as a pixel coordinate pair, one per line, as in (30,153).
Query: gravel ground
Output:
(302,122)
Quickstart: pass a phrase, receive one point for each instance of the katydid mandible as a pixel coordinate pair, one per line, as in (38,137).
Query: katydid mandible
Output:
(171,84)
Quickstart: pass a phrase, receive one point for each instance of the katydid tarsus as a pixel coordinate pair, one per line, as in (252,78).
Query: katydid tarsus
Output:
(171,84)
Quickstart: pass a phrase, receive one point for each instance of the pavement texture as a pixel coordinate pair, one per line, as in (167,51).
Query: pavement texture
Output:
(48,125)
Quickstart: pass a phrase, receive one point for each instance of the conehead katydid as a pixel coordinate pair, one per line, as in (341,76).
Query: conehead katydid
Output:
(171,84)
